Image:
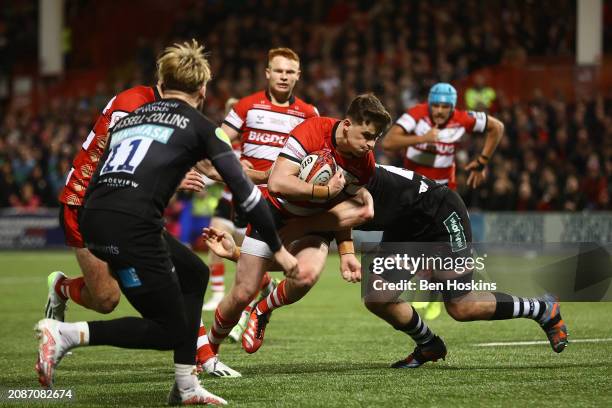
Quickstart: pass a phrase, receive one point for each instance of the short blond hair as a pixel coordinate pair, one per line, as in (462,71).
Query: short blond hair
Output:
(283,52)
(183,67)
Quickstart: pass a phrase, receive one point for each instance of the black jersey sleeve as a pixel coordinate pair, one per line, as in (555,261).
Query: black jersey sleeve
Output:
(246,194)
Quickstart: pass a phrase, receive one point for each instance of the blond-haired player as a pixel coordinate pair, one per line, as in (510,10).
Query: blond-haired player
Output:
(147,154)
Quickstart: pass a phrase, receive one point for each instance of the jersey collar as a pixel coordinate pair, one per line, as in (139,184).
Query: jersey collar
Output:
(156,93)
(333,133)
(269,97)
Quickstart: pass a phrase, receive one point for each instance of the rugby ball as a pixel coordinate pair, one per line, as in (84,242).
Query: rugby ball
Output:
(318,167)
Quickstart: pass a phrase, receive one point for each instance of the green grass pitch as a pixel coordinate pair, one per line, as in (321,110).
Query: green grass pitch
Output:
(327,350)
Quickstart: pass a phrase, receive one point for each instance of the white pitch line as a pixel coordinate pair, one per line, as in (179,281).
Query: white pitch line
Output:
(532,343)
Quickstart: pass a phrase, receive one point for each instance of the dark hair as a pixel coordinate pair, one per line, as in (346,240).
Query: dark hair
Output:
(367,108)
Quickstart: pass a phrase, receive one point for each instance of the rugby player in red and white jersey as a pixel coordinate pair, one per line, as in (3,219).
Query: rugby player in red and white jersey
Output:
(351,142)
(97,289)
(430,133)
(261,123)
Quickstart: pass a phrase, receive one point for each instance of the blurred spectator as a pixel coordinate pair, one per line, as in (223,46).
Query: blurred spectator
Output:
(395,48)
(28,200)
(479,97)
(594,186)
(526,201)
(502,196)
(8,187)
(573,198)
(548,186)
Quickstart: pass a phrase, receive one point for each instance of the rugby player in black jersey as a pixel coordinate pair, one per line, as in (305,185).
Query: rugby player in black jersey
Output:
(411,208)
(147,154)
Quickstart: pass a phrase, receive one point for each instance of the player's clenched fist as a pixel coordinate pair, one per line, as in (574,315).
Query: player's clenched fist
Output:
(336,184)
(431,136)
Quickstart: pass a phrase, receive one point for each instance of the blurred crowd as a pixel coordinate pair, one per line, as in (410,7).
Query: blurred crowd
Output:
(556,154)
(396,49)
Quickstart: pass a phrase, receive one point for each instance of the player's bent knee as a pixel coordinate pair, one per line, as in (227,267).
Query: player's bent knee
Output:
(307,278)
(242,295)
(460,311)
(107,304)
(105,299)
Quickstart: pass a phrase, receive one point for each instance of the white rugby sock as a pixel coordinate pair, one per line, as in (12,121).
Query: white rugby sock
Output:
(184,376)
(75,334)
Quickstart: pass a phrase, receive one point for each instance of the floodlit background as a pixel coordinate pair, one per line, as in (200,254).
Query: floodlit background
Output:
(544,68)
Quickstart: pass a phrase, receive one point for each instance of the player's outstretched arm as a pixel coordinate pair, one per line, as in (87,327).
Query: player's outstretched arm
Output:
(206,168)
(477,167)
(258,176)
(495,132)
(397,138)
(347,214)
(222,244)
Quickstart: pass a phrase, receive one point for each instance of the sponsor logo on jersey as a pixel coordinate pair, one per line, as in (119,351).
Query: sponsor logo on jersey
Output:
(159,134)
(276,121)
(440,148)
(116,117)
(296,112)
(445,148)
(129,278)
(267,138)
(106,249)
(455,231)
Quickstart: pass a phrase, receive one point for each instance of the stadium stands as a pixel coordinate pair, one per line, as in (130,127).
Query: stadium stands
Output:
(556,155)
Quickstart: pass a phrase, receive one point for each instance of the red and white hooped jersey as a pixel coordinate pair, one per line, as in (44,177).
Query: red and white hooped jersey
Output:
(85,163)
(320,134)
(265,126)
(437,160)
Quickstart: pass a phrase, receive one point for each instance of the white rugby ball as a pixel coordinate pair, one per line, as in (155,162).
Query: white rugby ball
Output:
(318,167)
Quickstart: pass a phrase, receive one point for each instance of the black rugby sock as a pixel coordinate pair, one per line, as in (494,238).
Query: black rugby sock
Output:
(417,329)
(513,307)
